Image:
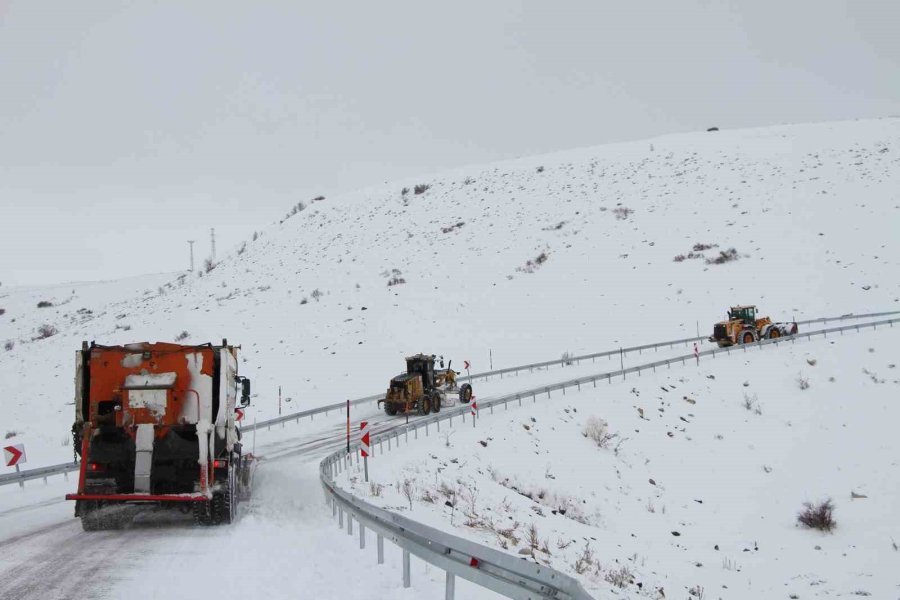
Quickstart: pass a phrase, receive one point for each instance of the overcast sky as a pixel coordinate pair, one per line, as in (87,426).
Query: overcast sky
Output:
(128,127)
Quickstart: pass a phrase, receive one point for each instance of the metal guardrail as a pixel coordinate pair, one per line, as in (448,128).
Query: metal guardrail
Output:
(67,467)
(505,574)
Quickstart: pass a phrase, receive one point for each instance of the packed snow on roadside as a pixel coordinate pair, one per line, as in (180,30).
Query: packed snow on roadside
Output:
(687,482)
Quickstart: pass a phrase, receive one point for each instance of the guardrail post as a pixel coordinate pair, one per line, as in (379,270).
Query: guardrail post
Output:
(362,536)
(333,507)
(406,582)
(450,588)
(426,429)
(349,524)
(340,517)
(416,431)
(380,545)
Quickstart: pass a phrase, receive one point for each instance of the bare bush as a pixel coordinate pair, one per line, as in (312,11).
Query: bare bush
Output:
(209,264)
(468,181)
(700,247)
(750,401)
(566,358)
(182,336)
(597,430)
(421,188)
(318,198)
(242,248)
(375,489)
(404,191)
(255,235)
(9,345)
(44,304)
(679,258)
(817,516)
(802,382)
(316,294)
(395,281)
(585,560)
(540,169)
(724,256)
(620,577)
(533,265)
(622,212)
(46,330)
(2,311)
(534,541)
(409,491)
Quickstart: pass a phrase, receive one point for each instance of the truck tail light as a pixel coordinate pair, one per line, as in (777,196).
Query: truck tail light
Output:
(219,463)
(96,467)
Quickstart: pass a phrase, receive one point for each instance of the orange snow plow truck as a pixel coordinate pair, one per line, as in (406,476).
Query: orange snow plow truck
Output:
(157,424)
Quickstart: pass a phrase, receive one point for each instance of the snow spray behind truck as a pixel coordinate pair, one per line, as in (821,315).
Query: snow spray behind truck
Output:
(155,424)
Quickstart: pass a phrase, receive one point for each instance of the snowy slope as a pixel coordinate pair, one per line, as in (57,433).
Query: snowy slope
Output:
(699,488)
(812,211)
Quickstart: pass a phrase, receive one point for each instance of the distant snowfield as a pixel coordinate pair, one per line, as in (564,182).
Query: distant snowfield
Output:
(696,491)
(506,263)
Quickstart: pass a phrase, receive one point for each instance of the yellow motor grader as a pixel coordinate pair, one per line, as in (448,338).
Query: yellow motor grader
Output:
(423,388)
(743,327)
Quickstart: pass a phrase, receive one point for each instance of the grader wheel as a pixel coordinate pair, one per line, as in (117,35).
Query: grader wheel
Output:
(424,405)
(747,337)
(436,402)
(465,393)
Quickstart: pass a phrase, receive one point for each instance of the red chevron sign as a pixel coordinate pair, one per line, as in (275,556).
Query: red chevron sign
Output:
(14,455)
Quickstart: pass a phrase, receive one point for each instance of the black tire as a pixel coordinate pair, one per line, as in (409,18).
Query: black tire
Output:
(90,517)
(224,502)
(436,402)
(424,405)
(774,333)
(203,513)
(465,393)
(390,409)
(747,337)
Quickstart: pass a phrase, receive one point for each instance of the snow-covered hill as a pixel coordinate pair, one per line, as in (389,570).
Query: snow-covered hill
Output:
(694,492)
(508,263)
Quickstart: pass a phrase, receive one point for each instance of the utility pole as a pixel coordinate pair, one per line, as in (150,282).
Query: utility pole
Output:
(212,234)
(191,242)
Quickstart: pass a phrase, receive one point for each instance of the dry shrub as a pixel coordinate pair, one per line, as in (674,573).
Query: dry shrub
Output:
(182,336)
(597,430)
(44,304)
(817,516)
(421,188)
(802,382)
(46,330)
(620,577)
(622,212)
(724,256)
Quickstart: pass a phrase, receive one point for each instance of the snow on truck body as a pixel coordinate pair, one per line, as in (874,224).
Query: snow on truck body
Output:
(156,423)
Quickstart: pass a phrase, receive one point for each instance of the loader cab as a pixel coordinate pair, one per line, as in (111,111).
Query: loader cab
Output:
(422,365)
(747,314)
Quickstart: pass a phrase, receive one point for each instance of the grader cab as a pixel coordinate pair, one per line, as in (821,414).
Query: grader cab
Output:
(422,388)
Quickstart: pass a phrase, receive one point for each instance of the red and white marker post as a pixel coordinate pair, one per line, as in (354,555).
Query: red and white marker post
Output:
(364,446)
(466,367)
(13,456)
(474,410)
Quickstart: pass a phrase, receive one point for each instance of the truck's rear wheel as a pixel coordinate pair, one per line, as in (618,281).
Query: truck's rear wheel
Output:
(424,405)
(90,519)
(390,409)
(436,402)
(747,337)
(465,393)
(774,333)
(203,513)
